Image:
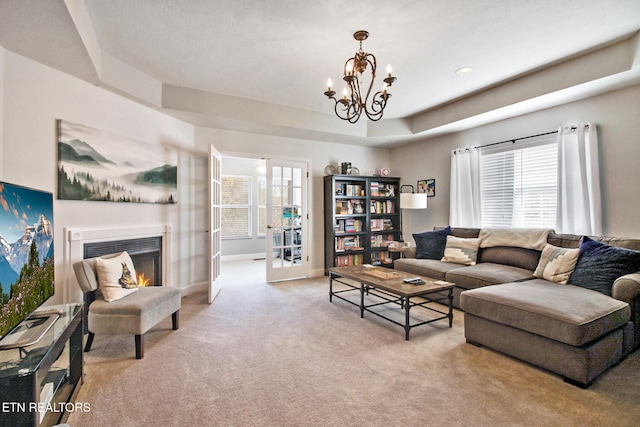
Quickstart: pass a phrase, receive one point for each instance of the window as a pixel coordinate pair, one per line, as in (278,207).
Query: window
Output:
(518,184)
(236,206)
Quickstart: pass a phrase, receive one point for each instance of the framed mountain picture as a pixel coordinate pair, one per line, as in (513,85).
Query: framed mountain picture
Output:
(100,166)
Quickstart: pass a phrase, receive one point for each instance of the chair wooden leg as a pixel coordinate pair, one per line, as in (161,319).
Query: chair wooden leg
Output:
(175,320)
(139,346)
(87,346)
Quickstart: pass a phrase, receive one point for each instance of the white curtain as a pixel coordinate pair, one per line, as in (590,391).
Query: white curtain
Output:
(579,207)
(464,207)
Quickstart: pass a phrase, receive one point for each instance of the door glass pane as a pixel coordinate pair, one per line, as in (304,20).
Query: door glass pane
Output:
(286,220)
(297,196)
(297,177)
(276,176)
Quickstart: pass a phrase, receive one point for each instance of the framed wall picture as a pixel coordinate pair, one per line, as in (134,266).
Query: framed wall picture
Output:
(97,165)
(427,186)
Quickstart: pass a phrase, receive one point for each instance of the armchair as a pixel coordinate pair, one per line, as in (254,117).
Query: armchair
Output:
(133,314)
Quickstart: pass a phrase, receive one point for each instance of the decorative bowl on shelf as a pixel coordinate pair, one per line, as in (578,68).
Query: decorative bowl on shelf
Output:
(330,170)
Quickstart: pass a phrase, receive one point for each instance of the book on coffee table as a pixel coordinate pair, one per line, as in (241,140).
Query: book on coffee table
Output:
(380,273)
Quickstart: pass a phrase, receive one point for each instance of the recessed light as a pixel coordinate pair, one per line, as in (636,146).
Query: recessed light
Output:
(464,70)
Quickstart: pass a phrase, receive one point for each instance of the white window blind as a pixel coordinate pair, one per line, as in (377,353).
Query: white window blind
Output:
(518,184)
(236,206)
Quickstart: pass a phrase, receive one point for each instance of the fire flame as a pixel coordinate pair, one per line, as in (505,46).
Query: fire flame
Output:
(143,281)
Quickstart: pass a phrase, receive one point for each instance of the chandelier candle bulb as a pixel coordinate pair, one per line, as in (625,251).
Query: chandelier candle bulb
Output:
(389,70)
(328,85)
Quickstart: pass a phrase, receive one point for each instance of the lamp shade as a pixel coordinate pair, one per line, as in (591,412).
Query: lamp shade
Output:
(413,200)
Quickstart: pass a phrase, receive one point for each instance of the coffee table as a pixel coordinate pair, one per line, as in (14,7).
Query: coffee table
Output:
(388,285)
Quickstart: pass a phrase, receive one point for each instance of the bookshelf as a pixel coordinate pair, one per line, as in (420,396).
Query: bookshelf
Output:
(361,216)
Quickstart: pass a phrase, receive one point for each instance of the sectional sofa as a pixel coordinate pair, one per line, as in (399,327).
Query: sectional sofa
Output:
(567,303)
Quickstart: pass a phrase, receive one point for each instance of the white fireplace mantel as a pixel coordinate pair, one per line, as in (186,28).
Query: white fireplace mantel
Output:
(75,238)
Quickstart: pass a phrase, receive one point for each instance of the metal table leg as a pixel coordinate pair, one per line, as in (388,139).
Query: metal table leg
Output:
(451,307)
(407,327)
(330,286)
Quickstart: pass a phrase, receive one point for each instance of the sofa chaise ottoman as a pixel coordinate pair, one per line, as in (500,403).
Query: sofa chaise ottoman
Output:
(574,332)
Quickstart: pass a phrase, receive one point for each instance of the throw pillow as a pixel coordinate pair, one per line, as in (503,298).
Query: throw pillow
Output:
(430,244)
(116,277)
(556,264)
(599,265)
(461,251)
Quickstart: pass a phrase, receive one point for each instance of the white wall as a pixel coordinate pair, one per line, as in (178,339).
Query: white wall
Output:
(1,109)
(318,154)
(34,97)
(617,115)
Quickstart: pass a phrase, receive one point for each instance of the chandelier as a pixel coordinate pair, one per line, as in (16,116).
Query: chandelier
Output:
(354,99)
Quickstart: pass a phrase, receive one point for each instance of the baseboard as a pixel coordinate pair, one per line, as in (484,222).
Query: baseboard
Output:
(243,257)
(195,288)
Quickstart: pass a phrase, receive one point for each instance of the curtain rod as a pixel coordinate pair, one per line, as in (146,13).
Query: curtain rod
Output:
(515,139)
(518,139)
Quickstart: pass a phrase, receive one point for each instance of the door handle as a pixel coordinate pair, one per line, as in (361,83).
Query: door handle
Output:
(269,227)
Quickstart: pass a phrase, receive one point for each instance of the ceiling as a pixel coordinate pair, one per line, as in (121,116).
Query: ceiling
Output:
(262,66)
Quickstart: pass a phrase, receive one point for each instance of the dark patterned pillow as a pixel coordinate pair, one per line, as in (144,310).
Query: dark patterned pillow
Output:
(599,265)
(431,244)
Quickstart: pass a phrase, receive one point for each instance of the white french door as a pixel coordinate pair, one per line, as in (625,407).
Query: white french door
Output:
(287,220)
(215,221)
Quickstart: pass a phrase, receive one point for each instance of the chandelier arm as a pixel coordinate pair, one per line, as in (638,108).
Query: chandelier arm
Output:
(348,112)
(371,60)
(378,103)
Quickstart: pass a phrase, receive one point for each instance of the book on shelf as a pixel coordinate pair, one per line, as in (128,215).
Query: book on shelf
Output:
(348,243)
(374,189)
(381,224)
(381,241)
(383,207)
(352,259)
(349,190)
(348,225)
(349,207)
(381,189)
(381,258)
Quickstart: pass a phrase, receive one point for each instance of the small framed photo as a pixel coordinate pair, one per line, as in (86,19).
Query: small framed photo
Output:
(427,186)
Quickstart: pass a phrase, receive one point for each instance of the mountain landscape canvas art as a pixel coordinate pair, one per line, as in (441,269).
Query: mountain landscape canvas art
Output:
(26,252)
(101,166)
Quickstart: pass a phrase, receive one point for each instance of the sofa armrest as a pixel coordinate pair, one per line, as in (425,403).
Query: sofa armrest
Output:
(627,288)
(410,252)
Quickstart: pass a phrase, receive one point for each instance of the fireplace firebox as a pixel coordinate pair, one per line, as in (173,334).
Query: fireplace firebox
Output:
(146,254)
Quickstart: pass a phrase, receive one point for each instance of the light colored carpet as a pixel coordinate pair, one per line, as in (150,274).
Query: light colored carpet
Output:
(281,355)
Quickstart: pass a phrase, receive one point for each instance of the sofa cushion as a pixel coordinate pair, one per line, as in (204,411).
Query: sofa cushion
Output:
(569,314)
(136,313)
(484,274)
(510,255)
(599,265)
(430,244)
(432,268)
(461,251)
(528,238)
(556,264)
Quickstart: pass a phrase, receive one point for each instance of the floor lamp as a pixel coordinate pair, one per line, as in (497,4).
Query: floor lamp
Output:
(411,200)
